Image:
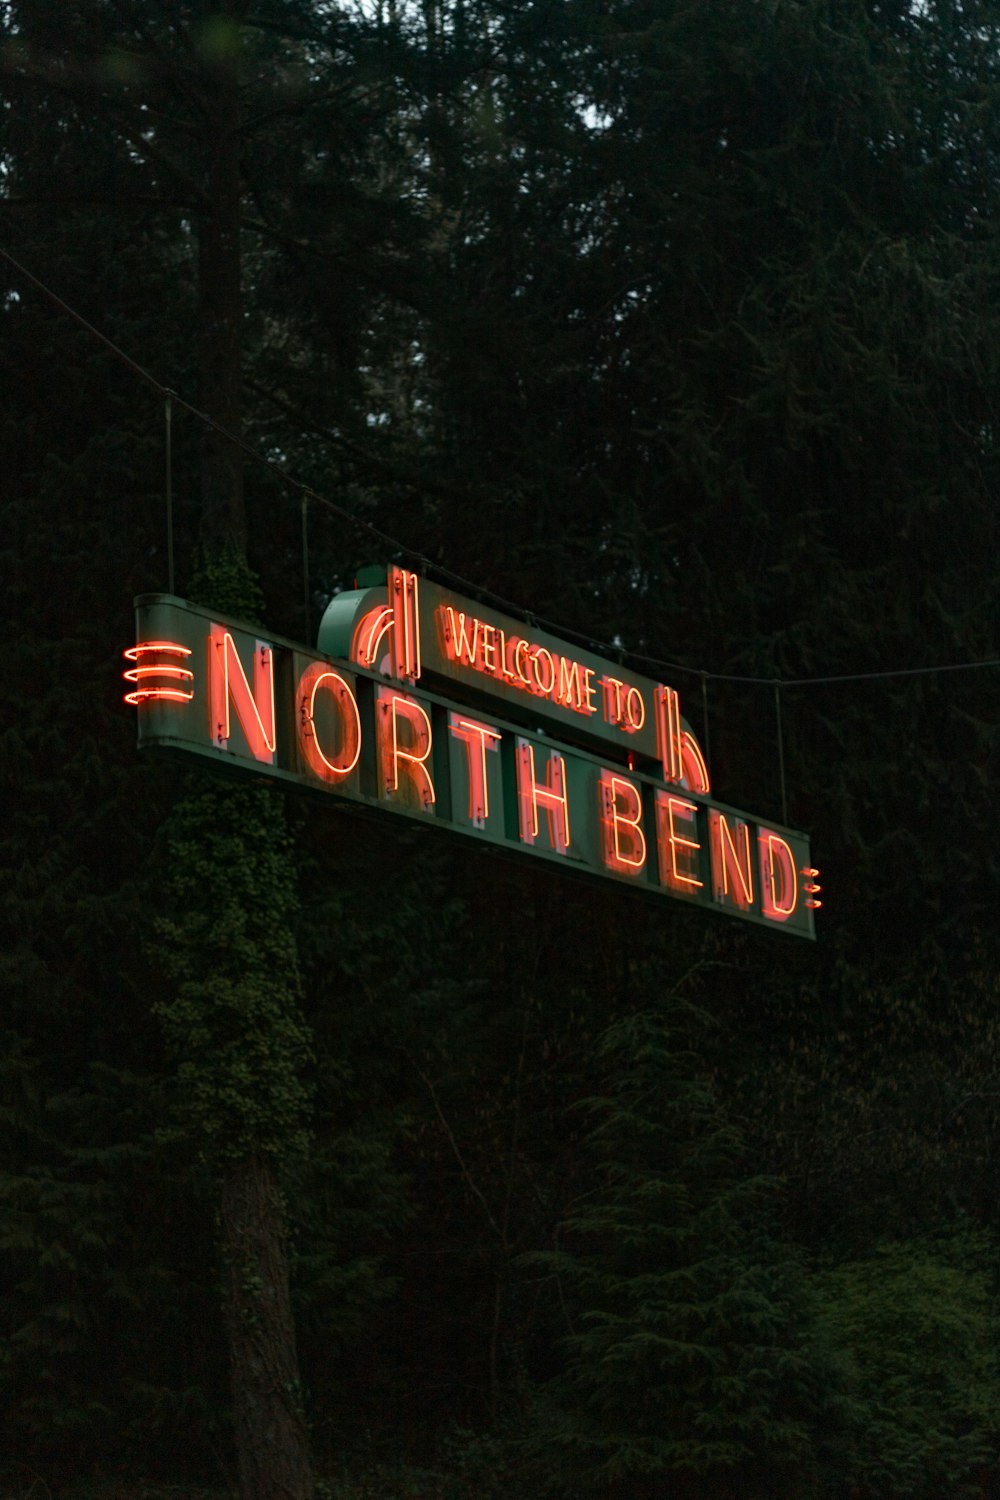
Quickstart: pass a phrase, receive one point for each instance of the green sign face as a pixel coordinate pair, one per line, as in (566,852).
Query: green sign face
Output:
(429,707)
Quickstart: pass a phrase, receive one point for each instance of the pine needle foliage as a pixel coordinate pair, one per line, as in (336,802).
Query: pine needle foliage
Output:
(683,1357)
(233,1021)
(913,1331)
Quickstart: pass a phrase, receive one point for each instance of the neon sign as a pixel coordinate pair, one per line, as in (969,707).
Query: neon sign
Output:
(147,674)
(422,704)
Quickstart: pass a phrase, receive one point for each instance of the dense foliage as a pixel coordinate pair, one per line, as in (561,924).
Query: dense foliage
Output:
(676,322)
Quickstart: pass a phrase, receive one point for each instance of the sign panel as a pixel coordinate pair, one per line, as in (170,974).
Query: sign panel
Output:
(428,706)
(414,630)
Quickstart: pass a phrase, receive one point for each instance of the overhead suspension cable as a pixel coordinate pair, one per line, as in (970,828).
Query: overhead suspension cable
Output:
(308,494)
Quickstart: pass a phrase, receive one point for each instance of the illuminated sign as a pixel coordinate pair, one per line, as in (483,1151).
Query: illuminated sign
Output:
(439,710)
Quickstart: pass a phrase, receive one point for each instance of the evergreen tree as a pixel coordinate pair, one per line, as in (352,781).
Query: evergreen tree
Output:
(912,1329)
(105,1262)
(686,1363)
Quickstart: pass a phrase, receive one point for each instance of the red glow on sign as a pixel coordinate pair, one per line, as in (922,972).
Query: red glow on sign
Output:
(405,624)
(471,642)
(551,795)
(535,656)
(623,841)
(678,851)
(811,888)
(679,751)
(695,769)
(613,711)
(460,644)
(315,677)
(779,881)
(732,869)
(227,683)
(411,757)
(179,686)
(478,738)
(372,630)
(668,733)
(352,733)
(624,705)
(576,686)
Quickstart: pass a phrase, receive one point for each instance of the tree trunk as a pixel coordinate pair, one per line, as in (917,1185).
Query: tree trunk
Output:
(220,304)
(270,1432)
(271,1436)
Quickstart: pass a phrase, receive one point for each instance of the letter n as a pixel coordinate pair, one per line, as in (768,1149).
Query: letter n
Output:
(228,687)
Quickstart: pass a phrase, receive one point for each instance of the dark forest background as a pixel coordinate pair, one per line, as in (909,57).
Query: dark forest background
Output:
(677,322)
